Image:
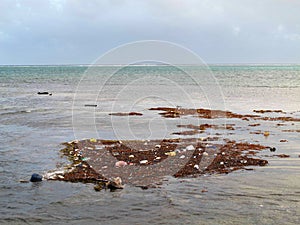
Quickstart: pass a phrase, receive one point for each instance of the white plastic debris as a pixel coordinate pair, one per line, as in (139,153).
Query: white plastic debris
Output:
(190,148)
(157,146)
(205,153)
(131,156)
(143,161)
(120,163)
(182,157)
(221,163)
(196,167)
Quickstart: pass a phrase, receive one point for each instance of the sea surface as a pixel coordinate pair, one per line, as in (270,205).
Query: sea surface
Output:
(32,128)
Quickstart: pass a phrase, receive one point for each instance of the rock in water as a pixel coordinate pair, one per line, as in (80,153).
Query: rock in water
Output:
(114,184)
(36,178)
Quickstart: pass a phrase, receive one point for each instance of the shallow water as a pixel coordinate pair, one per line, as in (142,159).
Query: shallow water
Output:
(33,126)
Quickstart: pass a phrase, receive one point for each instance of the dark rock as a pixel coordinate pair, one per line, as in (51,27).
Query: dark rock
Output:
(44,93)
(36,178)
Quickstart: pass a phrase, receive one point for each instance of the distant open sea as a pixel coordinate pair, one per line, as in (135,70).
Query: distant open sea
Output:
(33,126)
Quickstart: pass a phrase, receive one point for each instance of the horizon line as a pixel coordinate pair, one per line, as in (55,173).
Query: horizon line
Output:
(158,64)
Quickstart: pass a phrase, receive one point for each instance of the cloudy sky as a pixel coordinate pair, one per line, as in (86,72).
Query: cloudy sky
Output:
(79,31)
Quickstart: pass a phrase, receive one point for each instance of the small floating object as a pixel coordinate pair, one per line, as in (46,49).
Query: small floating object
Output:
(272,149)
(205,153)
(196,167)
(36,178)
(221,163)
(157,146)
(170,153)
(24,181)
(93,140)
(44,93)
(158,158)
(131,156)
(120,163)
(90,105)
(266,133)
(143,161)
(182,157)
(190,148)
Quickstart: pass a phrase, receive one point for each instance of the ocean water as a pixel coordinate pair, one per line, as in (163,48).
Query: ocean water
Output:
(33,126)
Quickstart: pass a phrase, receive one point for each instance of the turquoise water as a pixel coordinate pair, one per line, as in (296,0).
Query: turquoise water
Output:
(33,126)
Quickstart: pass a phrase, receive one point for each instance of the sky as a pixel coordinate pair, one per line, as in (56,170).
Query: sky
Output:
(79,31)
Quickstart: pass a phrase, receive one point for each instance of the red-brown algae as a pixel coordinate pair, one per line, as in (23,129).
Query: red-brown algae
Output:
(229,157)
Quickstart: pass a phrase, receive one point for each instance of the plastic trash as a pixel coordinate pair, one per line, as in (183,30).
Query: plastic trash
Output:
(93,140)
(143,161)
(120,163)
(170,153)
(190,148)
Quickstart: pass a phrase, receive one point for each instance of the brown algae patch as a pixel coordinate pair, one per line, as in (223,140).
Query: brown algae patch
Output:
(145,163)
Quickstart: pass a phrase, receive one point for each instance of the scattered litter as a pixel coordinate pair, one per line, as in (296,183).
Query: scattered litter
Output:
(143,161)
(182,157)
(190,148)
(170,153)
(205,153)
(196,167)
(157,146)
(131,156)
(266,133)
(120,163)
(93,140)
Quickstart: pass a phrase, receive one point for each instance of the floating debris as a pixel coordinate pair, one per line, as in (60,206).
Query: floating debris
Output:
(126,114)
(144,161)
(170,153)
(90,105)
(190,148)
(121,163)
(44,93)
